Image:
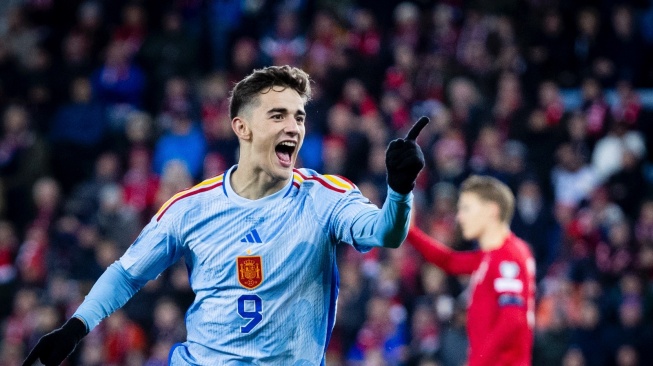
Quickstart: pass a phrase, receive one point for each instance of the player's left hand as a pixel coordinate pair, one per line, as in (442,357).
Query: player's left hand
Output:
(404,159)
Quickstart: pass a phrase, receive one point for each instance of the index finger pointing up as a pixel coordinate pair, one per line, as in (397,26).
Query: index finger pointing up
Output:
(417,128)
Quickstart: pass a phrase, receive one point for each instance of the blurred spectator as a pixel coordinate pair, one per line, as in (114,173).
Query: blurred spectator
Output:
(177,100)
(8,270)
(453,350)
(534,222)
(382,335)
(448,155)
(587,48)
(140,185)
(551,343)
(168,322)
(12,85)
(132,30)
(551,53)
(644,225)
(118,82)
(77,132)
(124,340)
(425,334)
(628,108)
(175,178)
(467,111)
(166,54)
(572,180)
(93,28)
(83,201)
(22,38)
(365,36)
(117,221)
(589,334)
(245,58)
(214,109)
(184,142)
(630,331)
(608,156)
(23,159)
(623,50)
(285,44)
(595,108)
(406,27)
(223,18)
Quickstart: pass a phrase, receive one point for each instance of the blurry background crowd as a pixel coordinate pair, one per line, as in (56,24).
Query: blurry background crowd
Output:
(110,107)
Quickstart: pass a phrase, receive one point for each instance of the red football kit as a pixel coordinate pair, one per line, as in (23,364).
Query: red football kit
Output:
(502,306)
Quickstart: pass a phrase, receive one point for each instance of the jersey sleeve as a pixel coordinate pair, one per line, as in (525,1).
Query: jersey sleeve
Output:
(349,217)
(343,211)
(156,248)
(386,227)
(442,256)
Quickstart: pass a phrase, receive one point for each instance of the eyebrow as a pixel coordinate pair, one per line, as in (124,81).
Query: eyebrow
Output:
(285,111)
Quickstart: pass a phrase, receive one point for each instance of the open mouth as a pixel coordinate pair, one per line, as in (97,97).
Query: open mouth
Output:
(284,151)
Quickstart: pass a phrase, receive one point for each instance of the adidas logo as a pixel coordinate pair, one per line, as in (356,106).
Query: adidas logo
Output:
(252,237)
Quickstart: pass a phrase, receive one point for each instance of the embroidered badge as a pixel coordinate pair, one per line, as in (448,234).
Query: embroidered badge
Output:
(250,271)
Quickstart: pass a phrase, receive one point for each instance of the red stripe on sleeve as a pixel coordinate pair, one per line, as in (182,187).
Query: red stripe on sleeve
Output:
(321,181)
(203,189)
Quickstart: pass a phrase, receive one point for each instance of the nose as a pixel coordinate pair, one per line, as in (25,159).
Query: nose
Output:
(292,128)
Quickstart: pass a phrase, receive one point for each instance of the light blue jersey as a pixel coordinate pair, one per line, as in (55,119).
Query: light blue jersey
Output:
(263,271)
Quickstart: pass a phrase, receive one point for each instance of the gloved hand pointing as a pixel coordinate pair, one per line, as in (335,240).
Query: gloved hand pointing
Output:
(404,159)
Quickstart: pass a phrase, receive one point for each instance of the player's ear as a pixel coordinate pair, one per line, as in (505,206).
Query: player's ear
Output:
(495,210)
(241,128)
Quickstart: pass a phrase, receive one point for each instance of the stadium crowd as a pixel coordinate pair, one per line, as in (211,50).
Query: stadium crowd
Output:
(108,108)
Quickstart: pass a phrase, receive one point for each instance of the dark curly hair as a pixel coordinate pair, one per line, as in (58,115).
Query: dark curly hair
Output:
(245,92)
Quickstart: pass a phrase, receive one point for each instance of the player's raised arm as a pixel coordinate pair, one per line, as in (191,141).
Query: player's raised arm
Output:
(441,255)
(388,227)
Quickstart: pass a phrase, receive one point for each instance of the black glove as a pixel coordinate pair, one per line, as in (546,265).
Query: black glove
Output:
(55,346)
(404,159)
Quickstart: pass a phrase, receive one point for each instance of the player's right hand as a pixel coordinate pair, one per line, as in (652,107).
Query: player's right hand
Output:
(404,159)
(55,346)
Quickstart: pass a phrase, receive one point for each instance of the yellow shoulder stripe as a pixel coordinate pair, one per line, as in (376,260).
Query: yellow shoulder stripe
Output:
(200,185)
(338,181)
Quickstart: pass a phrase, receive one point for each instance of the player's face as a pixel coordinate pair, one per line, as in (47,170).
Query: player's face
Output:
(278,131)
(473,215)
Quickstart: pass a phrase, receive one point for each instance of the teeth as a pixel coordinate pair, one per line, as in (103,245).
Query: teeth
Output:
(288,143)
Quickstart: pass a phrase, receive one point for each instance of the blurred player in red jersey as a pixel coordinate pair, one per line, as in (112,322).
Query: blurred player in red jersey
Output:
(502,302)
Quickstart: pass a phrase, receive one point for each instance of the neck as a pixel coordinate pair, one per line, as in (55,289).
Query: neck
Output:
(253,183)
(493,237)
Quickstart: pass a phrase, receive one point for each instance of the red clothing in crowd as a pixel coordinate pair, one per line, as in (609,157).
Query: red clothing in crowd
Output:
(501,310)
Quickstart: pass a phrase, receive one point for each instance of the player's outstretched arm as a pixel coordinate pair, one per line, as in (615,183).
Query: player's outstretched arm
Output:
(55,346)
(388,227)
(437,253)
(111,291)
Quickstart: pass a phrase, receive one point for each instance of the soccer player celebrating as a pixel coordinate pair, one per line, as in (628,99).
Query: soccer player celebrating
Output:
(501,308)
(259,240)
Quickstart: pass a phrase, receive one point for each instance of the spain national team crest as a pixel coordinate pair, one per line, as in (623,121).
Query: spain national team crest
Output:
(250,271)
